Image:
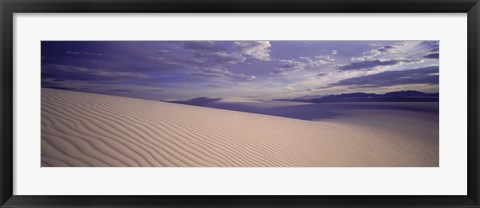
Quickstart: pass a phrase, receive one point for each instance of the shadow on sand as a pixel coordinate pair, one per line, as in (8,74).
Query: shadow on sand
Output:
(314,111)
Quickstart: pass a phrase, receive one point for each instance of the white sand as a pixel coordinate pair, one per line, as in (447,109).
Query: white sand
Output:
(83,129)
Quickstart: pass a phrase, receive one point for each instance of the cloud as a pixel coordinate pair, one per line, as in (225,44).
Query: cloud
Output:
(317,61)
(432,56)
(322,74)
(223,73)
(66,72)
(288,66)
(367,64)
(198,55)
(427,75)
(245,77)
(210,60)
(189,66)
(214,73)
(208,75)
(290,88)
(92,54)
(431,44)
(250,78)
(259,50)
(219,58)
(389,49)
(384,50)
(73,53)
(203,46)
(175,60)
(384,55)
(303,63)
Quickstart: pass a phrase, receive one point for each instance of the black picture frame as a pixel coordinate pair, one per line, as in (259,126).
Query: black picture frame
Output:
(9,7)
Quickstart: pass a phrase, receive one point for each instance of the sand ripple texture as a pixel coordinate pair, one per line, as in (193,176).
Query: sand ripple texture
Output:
(85,129)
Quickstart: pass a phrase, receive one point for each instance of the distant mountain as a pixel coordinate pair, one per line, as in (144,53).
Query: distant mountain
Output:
(399,96)
(311,97)
(410,93)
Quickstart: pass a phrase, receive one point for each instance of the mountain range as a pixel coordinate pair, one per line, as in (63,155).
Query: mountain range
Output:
(398,96)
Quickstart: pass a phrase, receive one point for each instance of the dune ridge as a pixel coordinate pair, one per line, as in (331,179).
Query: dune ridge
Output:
(84,129)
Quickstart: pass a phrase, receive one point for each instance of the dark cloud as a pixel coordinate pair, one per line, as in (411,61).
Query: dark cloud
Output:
(385,48)
(432,56)
(322,74)
(432,45)
(368,64)
(286,66)
(427,75)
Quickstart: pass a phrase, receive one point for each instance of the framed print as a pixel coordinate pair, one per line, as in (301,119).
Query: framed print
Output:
(239,104)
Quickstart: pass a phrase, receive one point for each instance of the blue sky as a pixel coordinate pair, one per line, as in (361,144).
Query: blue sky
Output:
(256,69)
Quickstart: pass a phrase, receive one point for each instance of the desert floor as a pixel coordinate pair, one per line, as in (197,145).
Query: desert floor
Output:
(85,129)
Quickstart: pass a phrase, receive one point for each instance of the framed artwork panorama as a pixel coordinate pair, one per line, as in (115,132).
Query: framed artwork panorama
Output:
(246,104)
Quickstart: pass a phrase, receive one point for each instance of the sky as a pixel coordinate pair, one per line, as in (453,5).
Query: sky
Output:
(162,70)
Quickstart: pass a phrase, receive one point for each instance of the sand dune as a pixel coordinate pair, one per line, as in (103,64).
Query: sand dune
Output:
(84,129)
